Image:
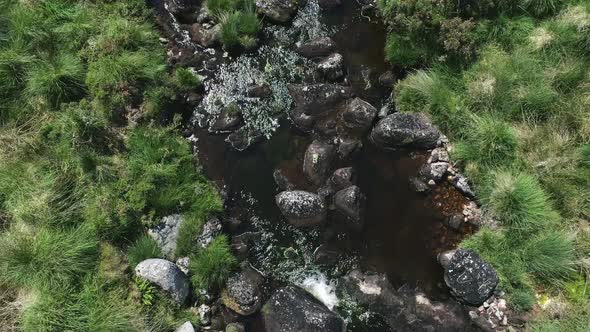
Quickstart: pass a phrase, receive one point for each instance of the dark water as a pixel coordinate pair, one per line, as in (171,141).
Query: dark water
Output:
(403,230)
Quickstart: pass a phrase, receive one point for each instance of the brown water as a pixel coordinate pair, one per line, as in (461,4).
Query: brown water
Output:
(403,230)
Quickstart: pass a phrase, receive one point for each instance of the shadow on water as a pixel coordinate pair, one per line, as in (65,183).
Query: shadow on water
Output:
(403,230)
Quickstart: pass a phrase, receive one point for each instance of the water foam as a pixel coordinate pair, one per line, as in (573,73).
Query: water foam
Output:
(321,288)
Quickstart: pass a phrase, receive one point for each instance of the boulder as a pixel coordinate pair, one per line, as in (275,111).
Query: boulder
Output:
(348,147)
(470,279)
(243,138)
(318,47)
(166,275)
(359,114)
(315,99)
(435,171)
(404,310)
(318,161)
(412,130)
(291,309)
(211,229)
(341,178)
(329,4)
(349,203)
(242,292)
(302,208)
(186,327)
(166,234)
(226,121)
(278,11)
(439,155)
(205,37)
(259,91)
(332,67)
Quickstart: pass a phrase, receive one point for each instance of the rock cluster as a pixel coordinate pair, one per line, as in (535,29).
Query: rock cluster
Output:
(166,275)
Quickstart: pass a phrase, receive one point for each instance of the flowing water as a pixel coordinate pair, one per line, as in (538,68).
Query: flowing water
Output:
(403,230)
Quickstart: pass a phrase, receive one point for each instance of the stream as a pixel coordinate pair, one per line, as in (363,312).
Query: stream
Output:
(403,230)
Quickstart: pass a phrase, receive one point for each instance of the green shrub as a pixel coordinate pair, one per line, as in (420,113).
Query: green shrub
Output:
(213,265)
(187,79)
(491,142)
(236,26)
(518,201)
(56,81)
(143,248)
(542,7)
(549,257)
(45,258)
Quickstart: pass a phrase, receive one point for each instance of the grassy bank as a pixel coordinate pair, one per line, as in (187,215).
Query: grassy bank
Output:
(88,160)
(509,82)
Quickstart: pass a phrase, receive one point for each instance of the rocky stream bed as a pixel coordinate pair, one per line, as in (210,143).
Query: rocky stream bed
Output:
(345,215)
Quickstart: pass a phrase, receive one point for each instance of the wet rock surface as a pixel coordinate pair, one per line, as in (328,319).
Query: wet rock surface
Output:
(291,309)
(318,161)
(206,37)
(301,208)
(166,275)
(243,138)
(405,130)
(242,293)
(318,47)
(349,203)
(470,279)
(315,99)
(211,229)
(404,310)
(332,67)
(359,114)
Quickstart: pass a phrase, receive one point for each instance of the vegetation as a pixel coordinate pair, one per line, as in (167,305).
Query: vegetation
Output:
(88,160)
(211,266)
(509,82)
(239,22)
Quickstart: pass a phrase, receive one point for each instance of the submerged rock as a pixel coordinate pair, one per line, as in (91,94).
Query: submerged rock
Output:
(349,203)
(302,208)
(228,120)
(242,292)
(470,279)
(291,309)
(332,67)
(418,185)
(318,161)
(413,130)
(166,275)
(259,91)
(387,79)
(318,47)
(243,138)
(166,234)
(341,178)
(282,181)
(359,114)
(235,327)
(329,4)
(279,11)
(404,310)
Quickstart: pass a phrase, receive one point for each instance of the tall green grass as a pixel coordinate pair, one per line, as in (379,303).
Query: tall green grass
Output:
(213,265)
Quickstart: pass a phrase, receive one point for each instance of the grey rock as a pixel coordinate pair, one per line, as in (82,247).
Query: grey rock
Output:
(349,203)
(405,130)
(404,310)
(183,264)
(316,99)
(435,171)
(439,155)
(226,121)
(235,327)
(387,79)
(243,138)
(341,178)
(204,314)
(166,275)
(318,47)
(166,234)
(462,184)
(470,279)
(211,229)
(348,147)
(186,327)
(259,91)
(243,292)
(301,208)
(418,185)
(205,37)
(318,161)
(332,67)
(282,181)
(291,309)
(359,114)
(279,11)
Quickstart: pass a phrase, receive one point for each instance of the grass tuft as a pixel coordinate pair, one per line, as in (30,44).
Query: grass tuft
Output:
(213,265)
